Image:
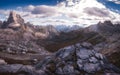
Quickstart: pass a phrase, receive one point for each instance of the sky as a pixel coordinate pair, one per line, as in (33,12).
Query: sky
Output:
(62,12)
(7,4)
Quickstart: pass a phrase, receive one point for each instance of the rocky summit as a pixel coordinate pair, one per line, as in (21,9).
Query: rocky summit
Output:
(14,21)
(27,49)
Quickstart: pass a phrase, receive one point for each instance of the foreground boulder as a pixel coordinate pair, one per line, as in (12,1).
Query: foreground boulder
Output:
(76,60)
(16,69)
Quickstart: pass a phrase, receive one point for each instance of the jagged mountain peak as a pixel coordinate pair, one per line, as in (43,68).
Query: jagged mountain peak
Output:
(13,17)
(108,22)
(14,21)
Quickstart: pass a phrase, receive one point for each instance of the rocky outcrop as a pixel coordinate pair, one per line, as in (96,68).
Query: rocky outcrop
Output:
(76,60)
(15,18)
(14,21)
(17,69)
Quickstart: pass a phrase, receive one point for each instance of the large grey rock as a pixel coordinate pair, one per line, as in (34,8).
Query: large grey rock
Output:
(93,60)
(68,69)
(76,59)
(59,71)
(91,68)
(80,64)
(83,53)
(10,68)
(18,69)
(83,56)
(99,56)
(86,44)
(64,52)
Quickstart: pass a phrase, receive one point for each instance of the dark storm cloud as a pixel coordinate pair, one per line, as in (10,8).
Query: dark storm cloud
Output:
(94,11)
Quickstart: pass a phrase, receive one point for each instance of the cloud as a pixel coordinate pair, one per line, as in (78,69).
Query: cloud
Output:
(29,8)
(115,1)
(94,11)
(43,9)
(4,12)
(57,21)
(82,13)
(73,15)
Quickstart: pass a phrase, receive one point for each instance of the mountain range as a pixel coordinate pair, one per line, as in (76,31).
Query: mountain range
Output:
(28,49)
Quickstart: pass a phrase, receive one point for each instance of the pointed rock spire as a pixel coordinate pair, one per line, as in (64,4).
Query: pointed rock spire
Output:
(14,21)
(15,18)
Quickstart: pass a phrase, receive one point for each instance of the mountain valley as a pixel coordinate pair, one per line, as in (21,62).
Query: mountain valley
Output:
(26,49)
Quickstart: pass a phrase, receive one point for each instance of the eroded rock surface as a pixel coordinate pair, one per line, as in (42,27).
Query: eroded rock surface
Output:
(76,60)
